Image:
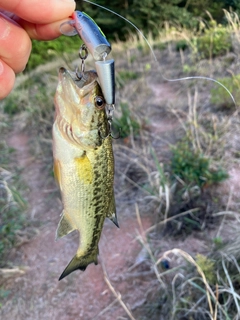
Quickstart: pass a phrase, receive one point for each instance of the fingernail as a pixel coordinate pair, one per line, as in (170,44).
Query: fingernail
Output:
(68,3)
(5,28)
(1,68)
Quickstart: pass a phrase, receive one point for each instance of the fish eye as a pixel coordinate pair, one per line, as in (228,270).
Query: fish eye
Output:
(99,102)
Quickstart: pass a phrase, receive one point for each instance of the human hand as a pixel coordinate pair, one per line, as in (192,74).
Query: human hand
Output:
(21,20)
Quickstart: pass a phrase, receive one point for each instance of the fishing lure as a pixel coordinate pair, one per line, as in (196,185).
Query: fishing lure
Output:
(108,71)
(97,44)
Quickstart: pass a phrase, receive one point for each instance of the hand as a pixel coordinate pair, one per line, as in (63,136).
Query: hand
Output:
(21,20)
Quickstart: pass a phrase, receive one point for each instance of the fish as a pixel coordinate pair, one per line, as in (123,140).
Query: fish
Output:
(83,163)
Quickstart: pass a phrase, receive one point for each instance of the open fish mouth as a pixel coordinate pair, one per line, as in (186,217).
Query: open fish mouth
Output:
(71,87)
(80,80)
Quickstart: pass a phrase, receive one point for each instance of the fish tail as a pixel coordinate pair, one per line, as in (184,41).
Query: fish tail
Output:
(79,263)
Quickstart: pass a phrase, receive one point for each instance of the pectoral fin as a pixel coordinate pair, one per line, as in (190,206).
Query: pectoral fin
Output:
(112,211)
(65,226)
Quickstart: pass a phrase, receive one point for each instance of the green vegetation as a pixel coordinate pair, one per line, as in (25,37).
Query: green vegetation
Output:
(44,51)
(124,76)
(216,41)
(218,242)
(14,103)
(151,15)
(34,96)
(208,267)
(182,45)
(12,220)
(193,167)
(12,204)
(127,124)
(221,98)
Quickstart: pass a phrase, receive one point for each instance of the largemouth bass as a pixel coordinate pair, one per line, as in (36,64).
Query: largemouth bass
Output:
(83,164)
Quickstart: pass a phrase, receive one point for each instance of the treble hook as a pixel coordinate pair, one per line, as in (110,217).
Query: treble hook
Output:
(83,54)
(110,132)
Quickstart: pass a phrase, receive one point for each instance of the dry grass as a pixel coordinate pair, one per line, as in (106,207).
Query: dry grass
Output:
(202,306)
(210,134)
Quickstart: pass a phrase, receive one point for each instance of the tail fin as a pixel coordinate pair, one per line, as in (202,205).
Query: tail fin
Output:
(79,262)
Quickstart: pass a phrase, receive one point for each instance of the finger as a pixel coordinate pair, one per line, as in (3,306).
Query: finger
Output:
(42,31)
(48,31)
(7,79)
(40,11)
(15,44)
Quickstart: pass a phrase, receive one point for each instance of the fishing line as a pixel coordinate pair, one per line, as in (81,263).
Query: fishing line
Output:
(154,56)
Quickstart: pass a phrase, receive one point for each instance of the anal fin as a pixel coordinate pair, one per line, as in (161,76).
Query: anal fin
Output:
(65,226)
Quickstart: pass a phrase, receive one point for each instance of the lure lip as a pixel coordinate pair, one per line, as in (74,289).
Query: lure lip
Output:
(106,74)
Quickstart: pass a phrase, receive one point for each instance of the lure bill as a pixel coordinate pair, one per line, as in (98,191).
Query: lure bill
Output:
(83,163)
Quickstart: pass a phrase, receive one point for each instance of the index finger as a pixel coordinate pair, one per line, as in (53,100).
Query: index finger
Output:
(39,11)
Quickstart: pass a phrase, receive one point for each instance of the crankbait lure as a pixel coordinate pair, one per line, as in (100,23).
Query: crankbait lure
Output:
(97,44)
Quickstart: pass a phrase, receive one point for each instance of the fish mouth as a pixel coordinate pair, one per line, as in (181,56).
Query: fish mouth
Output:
(64,73)
(87,78)
(72,88)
